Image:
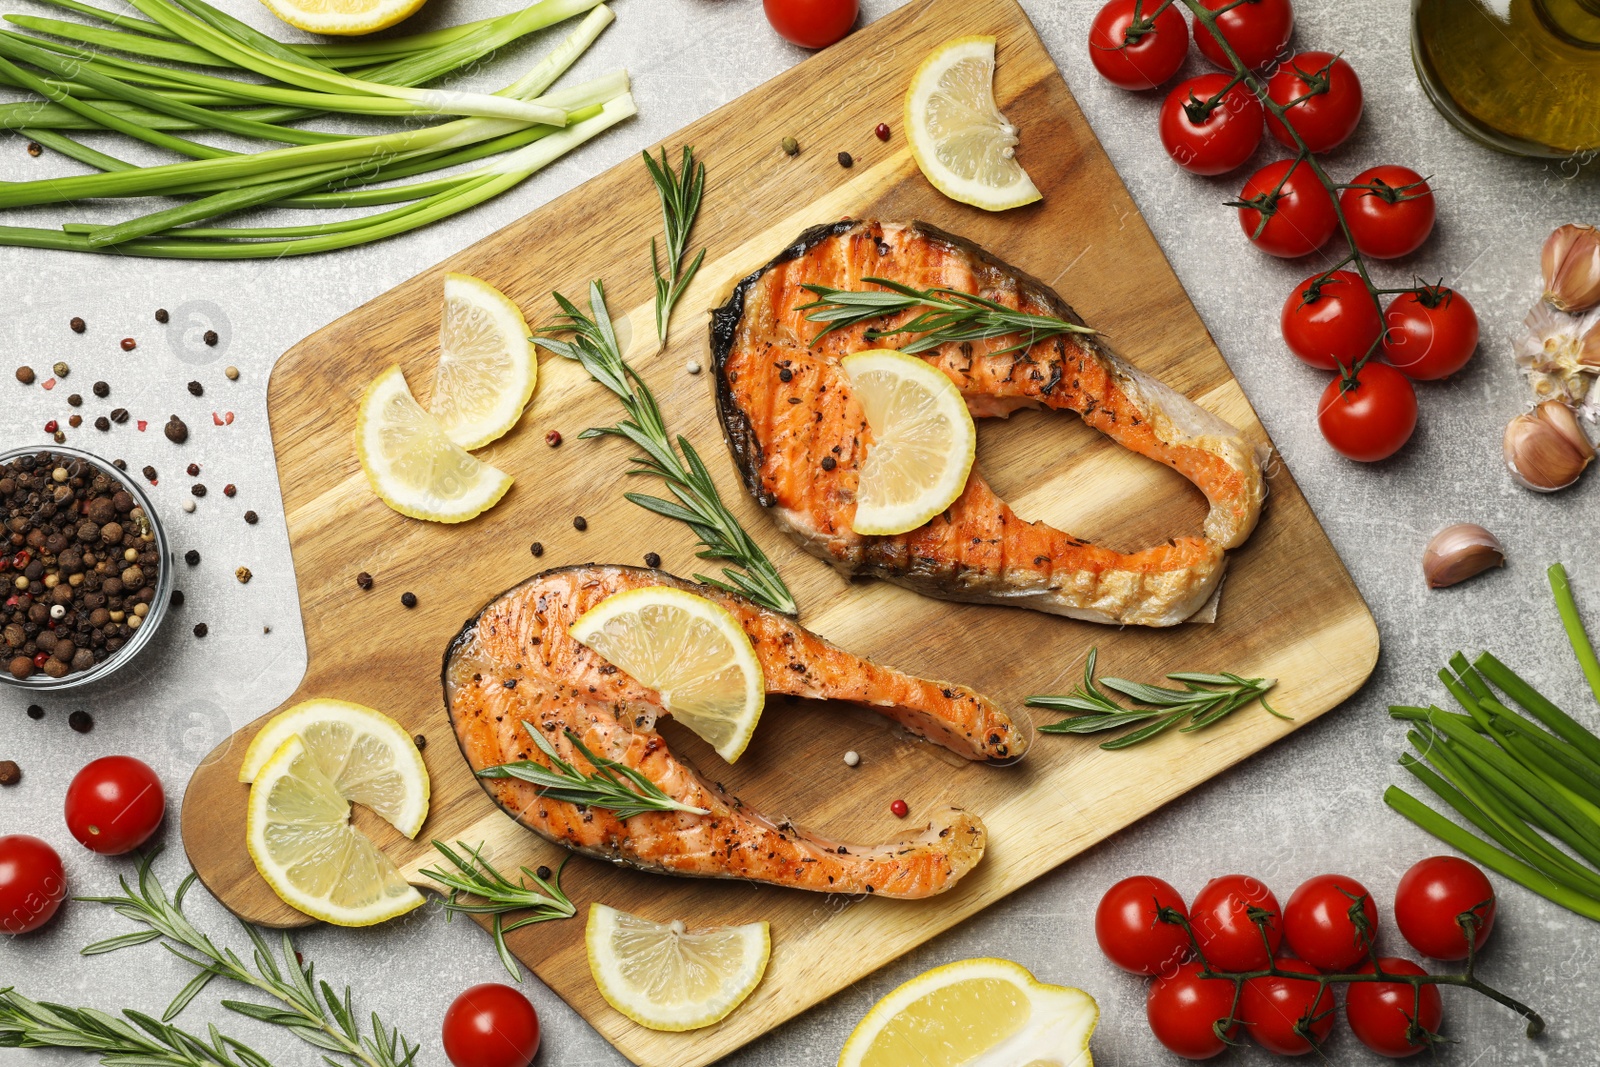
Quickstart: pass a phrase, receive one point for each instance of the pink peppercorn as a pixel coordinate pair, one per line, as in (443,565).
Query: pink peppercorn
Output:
(900,809)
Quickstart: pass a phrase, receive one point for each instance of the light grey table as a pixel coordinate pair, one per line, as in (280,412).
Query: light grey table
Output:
(1311,804)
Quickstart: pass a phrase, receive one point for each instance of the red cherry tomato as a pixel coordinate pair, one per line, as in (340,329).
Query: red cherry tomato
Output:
(32,883)
(1392,215)
(1183,1008)
(1430,897)
(1430,333)
(114,804)
(1224,929)
(1372,420)
(1129,928)
(1382,1013)
(1258,30)
(1318,923)
(1206,138)
(1302,216)
(1135,49)
(1330,320)
(1323,96)
(491,1025)
(812,23)
(1274,1009)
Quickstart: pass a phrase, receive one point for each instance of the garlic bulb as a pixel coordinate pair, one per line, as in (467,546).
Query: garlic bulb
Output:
(1571,267)
(1545,448)
(1458,552)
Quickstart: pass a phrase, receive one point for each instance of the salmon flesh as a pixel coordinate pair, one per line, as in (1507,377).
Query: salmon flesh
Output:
(799,437)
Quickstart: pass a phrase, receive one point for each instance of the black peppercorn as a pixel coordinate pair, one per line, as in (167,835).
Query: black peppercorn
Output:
(35,712)
(176,431)
(150,475)
(828,463)
(177,598)
(251,517)
(846,161)
(192,557)
(420,741)
(364,580)
(75,400)
(408,599)
(102,390)
(200,629)
(198,489)
(536,548)
(119,415)
(161,315)
(102,423)
(81,721)
(196,389)
(210,338)
(580,523)
(652,559)
(78,325)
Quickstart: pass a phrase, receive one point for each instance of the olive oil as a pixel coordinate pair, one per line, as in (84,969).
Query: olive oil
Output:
(1522,76)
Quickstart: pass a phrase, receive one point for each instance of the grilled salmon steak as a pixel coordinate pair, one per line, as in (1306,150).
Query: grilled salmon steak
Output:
(799,437)
(516,664)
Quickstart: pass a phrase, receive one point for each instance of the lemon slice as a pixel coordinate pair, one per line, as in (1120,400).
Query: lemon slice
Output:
(369,757)
(666,977)
(342,17)
(923,441)
(976,1013)
(413,465)
(487,367)
(689,650)
(299,835)
(964,146)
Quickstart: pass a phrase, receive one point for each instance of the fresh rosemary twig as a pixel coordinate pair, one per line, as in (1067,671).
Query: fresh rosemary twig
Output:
(619,788)
(328,1022)
(680,203)
(475,876)
(1204,699)
(946,315)
(594,344)
(139,1042)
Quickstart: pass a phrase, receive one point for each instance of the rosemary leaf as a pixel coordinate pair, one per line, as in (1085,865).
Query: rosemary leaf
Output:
(613,786)
(140,1041)
(680,203)
(475,876)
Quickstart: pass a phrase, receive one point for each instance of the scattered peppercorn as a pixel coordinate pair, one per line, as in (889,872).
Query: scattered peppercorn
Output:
(78,325)
(846,160)
(553,438)
(188,506)
(409,599)
(198,489)
(364,580)
(176,431)
(580,523)
(74,421)
(59,437)
(35,712)
(75,400)
(192,469)
(201,629)
(882,131)
(129,344)
(25,375)
(244,575)
(192,557)
(232,374)
(543,872)
(102,390)
(230,489)
(210,338)
(10,773)
(177,598)
(61,369)
(693,366)
(420,741)
(785,375)
(652,559)
(81,721)
(251,518)
(52,426)
(119,415)
(791,147)
(196,389)
(102,424)
(828,463)
(900,809)
(35,149)
(149,474)
(852,758)
(536,548)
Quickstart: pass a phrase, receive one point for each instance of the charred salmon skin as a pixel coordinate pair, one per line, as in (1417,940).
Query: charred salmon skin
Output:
(798,437)
(516,664)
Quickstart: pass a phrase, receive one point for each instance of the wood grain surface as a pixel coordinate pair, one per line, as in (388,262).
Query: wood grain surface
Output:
(1289,610)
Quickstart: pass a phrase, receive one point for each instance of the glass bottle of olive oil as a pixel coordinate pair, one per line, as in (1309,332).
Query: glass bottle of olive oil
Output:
(1522,76)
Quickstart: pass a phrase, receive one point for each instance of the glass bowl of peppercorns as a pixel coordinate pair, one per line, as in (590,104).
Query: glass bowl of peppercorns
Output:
(85,569)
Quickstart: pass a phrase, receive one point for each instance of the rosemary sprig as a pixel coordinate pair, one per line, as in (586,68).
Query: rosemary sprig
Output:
(141,1040)
(593,343)
(475,876)
(1203,700)
(619,788)
(680,203)
(946,315)
(326,1021)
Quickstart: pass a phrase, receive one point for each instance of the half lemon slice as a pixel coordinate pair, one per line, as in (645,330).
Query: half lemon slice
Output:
(342,17)
(689,650)
(964,146)
(923,441)
(487,367)
(667,977)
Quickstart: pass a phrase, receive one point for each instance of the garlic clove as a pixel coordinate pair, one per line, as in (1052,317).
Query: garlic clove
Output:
(1570,263)
(1459,552)
(1545,449)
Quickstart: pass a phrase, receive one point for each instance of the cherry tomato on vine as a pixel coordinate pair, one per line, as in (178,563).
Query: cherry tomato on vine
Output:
(1299,212)
(1373,419)
(1317,922)
(812,23)
(1129,928)
(1204,137)
(1135,49)
(1224,929)
(114,804)
(1382,1013)
(491,1025)
(32,883)
(1323,97)
(1183,1007)
(1389,210)
(1430,333)
(1430,897)
(1331,320)
(1258,30)
(1271,1007)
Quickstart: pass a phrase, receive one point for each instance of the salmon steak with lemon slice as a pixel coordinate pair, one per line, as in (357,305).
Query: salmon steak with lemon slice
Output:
(799,437)
(516,668)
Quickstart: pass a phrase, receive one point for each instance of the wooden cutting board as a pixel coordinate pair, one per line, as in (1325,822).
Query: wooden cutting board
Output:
(1289,609)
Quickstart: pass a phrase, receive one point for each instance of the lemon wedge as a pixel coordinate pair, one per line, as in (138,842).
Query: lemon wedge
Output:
(413,465)
(964,146)
(923,440)
(346,18)
(487,367)
(666,977)
(976,1013)
(689,650)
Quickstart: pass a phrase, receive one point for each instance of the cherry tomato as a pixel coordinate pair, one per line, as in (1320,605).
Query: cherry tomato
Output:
(1206,138)
(1223,926)
(1318,923)
(114,804)
(1301,216)
(1323,96)
(1273,1007)
(1330,320)
(1382,1013)
(32,883)
(1183,1008)
(1129,928)
(1392,215)
(1372,420)
(1430,897)
(1135,49)
(811,23)
(1430,333)
(1258,30)
(491,1025)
